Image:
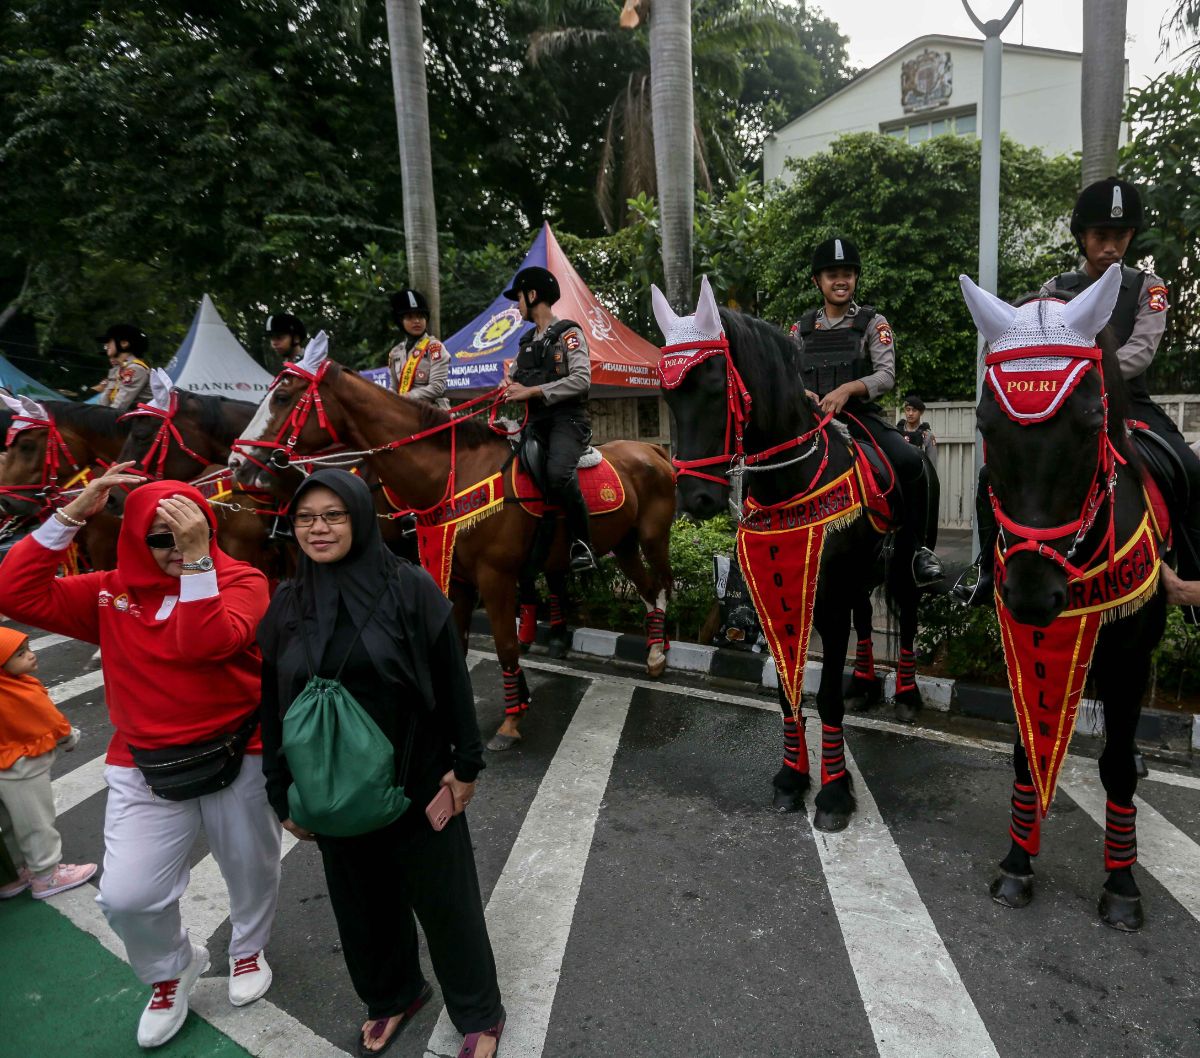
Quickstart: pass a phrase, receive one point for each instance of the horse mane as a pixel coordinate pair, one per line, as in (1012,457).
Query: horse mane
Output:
(769,362)
(211,410)
(94,418)
(1114,384)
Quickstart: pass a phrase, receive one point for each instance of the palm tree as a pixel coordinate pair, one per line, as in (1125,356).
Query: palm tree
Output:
(1103,87)
(674,131)
(406,40)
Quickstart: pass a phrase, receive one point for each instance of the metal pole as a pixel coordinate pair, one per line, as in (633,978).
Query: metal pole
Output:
(989,190)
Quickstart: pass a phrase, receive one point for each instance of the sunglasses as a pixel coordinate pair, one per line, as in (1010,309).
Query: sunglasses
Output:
(164,541)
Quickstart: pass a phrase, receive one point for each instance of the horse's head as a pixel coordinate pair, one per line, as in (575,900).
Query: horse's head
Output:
(694,376)
(25,465)
(1043,416)
(296,417)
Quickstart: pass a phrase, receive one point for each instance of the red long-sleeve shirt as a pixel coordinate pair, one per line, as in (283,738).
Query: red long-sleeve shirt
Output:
(180,661)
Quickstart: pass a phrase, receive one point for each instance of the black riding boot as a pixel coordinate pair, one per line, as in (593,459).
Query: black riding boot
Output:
(579,532)
(980,593)
(926,566)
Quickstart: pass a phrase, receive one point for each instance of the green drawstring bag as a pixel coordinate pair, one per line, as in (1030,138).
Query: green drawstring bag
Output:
(344,775)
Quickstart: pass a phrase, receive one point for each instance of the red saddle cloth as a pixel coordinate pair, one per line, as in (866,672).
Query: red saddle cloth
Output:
(601,487)
(878,489)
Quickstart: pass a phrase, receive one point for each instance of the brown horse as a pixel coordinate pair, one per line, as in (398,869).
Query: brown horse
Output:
(54,447)
(317,404)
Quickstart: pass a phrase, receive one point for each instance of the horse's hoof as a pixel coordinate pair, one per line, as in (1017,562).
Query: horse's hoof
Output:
(524,647)
(907,712)
(832,820)
(786,801)
(557,648)
(657,667)
(498,743)
(1121,912)
(861,694)
(1012,890)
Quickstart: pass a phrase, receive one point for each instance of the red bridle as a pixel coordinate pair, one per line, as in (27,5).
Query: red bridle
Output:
(677,360)
(160,447)
(1104,481)
(57,456)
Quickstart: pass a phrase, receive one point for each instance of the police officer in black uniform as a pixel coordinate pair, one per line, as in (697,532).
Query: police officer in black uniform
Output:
(1107,216)
(288,336)
(552,374)
(849,361)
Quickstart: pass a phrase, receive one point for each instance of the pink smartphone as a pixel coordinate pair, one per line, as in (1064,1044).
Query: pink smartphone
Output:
(440,809)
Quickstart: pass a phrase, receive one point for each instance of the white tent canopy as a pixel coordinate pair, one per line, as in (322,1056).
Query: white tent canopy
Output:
(211,360)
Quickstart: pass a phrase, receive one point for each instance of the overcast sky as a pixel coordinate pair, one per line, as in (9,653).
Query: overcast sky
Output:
(876,28)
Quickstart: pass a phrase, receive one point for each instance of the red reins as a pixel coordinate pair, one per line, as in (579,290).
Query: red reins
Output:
(167,432)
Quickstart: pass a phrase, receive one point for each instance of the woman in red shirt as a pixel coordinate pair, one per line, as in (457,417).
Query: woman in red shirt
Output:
(175,622)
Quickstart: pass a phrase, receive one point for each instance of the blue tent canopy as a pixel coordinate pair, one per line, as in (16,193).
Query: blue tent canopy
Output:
(20,384)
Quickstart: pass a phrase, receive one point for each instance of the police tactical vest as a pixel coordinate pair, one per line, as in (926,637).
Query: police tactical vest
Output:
(542,360)
(831,358)
(1124,315)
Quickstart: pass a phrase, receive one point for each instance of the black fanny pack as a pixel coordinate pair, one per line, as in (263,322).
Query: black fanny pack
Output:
(179,773)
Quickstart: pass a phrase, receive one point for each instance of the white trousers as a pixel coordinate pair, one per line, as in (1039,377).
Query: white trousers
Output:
(27,799)
(147,843)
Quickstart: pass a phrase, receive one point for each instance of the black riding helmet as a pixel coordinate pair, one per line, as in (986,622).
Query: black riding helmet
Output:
(139,344)
(539,280)
(282,323)
(1108,203)
(836,253)
(406,301)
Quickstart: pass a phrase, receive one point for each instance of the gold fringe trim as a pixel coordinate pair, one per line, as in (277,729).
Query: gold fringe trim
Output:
(1127,609)
(844,521)
(471,520)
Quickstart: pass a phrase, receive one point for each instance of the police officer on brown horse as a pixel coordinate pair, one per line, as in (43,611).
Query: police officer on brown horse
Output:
(849,362)
(552,375)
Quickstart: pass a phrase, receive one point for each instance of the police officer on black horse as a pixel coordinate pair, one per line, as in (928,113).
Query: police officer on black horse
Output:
(552,375)
(849,362)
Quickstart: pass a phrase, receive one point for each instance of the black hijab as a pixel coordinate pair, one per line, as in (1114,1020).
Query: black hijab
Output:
(399,608)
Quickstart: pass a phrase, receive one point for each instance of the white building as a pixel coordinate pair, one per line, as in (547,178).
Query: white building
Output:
(931,87)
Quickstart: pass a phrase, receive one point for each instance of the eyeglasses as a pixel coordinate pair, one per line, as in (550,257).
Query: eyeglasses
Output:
(307,521)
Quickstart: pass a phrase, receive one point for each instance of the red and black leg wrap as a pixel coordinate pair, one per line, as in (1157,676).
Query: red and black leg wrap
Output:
(864,660)
(516,692)
(1120,836)
(527,628)
(557,617)
(833,754)
(795,749)
(656,629)
(1026,828)
(906,672)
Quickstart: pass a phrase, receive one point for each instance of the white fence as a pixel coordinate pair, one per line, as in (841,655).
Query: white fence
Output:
(953,425)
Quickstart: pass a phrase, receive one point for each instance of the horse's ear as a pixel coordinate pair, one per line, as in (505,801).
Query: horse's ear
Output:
(33,409)
(316,352)
(11,403)
(992,315)
(1087,314)
(160,389)
(663,313)
(708,315)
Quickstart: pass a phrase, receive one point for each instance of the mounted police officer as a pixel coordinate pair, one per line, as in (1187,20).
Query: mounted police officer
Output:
(128,378)
(1107,216)
(419,363)
(552,374)
(287,336)
(849,362)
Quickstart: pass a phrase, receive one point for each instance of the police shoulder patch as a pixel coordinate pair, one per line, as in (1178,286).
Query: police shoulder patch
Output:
(1158,298)
(435,350)
(572,340)
(126,375)
(884,331)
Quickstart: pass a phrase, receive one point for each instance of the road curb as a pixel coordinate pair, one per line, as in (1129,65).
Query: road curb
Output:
(1170,731)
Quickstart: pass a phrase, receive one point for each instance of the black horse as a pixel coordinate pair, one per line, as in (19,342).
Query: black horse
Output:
(852,565)
(1042,475)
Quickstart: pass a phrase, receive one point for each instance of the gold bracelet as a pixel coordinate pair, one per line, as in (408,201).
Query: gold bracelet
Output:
(68,521)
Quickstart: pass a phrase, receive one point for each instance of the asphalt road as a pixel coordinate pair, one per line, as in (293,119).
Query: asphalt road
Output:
(644,900)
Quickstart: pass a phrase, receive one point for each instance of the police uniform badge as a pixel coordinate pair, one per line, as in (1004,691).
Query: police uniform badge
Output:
(571,341)
(1158,298)
(435,350)
(884,331)
(125,376)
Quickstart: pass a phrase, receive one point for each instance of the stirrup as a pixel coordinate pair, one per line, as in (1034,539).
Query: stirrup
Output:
(581,557)
(976,593)
(930,577)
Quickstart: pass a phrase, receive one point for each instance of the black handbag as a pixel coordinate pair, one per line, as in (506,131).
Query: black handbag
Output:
(179,773)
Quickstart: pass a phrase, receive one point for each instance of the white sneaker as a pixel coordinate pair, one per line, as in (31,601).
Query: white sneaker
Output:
(249,979)
(168,1007)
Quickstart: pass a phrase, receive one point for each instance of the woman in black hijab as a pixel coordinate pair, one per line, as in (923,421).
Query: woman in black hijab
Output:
(352,600)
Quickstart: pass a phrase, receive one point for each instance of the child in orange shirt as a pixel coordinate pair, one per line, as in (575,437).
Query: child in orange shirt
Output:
(31,729)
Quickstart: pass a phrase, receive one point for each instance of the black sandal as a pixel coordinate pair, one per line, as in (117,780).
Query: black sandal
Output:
(379,1025)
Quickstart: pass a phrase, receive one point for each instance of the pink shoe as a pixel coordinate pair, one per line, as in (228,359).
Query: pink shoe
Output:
(65,876)
(24,880)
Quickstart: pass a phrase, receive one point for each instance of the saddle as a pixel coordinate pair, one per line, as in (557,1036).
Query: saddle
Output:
(598,479)
(1164,480)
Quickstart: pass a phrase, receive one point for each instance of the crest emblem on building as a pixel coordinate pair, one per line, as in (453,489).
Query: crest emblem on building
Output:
(926,81)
